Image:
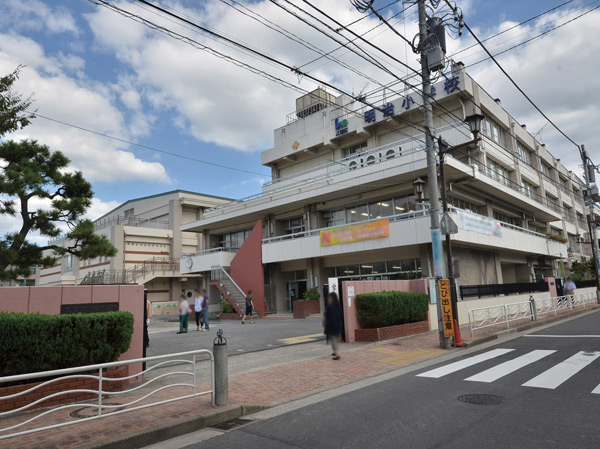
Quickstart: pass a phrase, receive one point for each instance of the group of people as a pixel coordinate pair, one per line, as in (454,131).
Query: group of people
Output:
(200,311)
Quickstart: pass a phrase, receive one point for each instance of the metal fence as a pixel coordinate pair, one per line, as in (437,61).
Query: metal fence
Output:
(100,408)
(132,275)
(470,291)
(504,314)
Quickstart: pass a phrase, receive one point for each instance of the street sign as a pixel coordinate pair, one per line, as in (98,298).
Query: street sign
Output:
(447,318)
(447,225)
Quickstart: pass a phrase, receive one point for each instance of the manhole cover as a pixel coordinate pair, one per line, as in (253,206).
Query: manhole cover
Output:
(232,424)
(481,399)
(87,412)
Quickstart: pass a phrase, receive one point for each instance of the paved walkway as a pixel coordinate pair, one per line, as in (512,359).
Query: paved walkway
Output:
(260,387)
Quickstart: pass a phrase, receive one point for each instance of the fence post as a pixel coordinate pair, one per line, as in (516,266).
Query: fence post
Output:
(533,308)
(570,299)
(221,371)
(506,315)
(100,392)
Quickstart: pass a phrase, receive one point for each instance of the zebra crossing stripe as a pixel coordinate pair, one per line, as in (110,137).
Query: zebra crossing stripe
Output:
(495,373)
(465,363)
(558,374)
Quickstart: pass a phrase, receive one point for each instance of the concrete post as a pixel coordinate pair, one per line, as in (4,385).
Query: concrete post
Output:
(533,308)
(221,385)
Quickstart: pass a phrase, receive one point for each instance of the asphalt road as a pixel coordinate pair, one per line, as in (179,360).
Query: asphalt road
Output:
(544,382)
(241,338)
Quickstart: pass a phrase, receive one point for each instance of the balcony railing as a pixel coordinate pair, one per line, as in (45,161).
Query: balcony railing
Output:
(210,251)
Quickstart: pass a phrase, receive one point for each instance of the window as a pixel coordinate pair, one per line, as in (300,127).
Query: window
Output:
(546,170)
(404,204)
(523,153)
(358,213)
(462,204)
(568,213)
(535,228)
(355,149)
(506,219)
(68,263)
(580,221)
(128,213)
(528,189)
(233,240)
(397,269)
(494,131)
(498,172)
(573,246)
(551,202)
(381,209)
(335,218)
(294,226)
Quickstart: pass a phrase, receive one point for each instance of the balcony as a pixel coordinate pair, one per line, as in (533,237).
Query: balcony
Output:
(408,229)
(201,261)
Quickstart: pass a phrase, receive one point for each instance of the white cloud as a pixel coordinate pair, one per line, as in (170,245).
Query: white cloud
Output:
(36,15)
(82,102)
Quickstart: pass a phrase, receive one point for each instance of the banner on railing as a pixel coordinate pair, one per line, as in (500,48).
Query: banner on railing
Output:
(355,233)
(479,223)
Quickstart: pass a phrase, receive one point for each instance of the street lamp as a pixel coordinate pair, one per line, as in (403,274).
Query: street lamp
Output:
(419,186)
(474,123)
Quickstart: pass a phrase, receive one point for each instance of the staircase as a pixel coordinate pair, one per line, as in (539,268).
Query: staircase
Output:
(139,274)
(221,279)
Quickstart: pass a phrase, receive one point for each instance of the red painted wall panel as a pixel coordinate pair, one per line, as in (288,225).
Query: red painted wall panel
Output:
(247,268)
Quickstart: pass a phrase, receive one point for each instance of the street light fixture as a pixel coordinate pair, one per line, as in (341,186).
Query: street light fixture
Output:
(474,122)
(419,186)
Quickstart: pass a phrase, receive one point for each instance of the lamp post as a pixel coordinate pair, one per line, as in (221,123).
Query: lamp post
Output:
(474,122)
(419,186)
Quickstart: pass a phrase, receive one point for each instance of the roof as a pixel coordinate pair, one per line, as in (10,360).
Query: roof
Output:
(162,194)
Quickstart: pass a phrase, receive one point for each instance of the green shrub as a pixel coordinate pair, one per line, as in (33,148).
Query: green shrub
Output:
(226,307)
(383,309)
(312,294)
(36,342)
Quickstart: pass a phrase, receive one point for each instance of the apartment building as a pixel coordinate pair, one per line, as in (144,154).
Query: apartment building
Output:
(146,232)
(342,202)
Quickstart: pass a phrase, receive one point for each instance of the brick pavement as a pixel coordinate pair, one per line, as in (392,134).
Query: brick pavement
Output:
(263,387)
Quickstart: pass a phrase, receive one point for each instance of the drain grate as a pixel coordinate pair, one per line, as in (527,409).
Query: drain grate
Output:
(231,424)
(481,399)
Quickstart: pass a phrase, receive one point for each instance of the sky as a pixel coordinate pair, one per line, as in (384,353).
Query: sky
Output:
(90,67)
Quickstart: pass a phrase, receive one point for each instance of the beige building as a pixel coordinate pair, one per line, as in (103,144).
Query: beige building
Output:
(146,232)
(338,171)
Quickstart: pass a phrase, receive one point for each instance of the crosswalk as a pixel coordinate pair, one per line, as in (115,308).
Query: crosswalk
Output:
(549,379)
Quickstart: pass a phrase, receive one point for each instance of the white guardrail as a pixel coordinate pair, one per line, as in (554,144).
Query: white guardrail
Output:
(100,409)
(483,317)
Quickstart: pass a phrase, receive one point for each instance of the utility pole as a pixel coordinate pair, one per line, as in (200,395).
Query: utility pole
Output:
(436,236)
(588,169)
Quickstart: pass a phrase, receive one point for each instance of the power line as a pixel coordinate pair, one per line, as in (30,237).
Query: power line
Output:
(147,147)
(514,83)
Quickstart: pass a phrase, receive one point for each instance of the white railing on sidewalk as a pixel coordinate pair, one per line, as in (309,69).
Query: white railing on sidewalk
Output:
(484,317)
(99,408)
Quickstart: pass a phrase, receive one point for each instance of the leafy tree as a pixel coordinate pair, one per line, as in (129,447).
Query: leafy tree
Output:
(30,172)
(582,271)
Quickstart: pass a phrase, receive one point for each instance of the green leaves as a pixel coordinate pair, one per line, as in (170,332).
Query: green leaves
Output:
(13,108)
(35,342)
(383,309)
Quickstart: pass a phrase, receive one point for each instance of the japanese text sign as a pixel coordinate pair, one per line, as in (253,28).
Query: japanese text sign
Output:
(447,318)
(355,233)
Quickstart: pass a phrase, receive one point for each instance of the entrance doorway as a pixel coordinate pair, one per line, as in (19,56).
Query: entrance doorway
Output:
(295,291)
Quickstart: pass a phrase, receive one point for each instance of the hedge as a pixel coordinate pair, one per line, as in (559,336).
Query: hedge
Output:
(36,342)
(384,309)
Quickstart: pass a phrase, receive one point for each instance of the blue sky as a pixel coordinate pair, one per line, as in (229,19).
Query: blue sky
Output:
(91,67)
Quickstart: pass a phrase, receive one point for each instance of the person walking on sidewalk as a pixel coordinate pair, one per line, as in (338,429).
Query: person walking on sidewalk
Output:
(333,323)
(184,312)
(570,287)
(205,310)
(249,307)
(198,310)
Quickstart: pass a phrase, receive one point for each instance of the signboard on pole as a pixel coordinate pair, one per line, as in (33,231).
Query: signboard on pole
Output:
(447,318)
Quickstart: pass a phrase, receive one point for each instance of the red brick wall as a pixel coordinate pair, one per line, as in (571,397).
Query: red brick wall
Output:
(391,332)
(61,385)
(247,268)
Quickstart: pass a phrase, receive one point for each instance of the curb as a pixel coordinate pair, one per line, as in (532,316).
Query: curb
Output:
(533,325)
(163,432)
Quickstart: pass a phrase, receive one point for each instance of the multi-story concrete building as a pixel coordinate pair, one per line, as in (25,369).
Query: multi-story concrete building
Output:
(341,202)
(146,232)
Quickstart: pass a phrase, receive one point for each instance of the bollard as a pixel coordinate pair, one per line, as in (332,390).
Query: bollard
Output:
(533,308)
(221,385)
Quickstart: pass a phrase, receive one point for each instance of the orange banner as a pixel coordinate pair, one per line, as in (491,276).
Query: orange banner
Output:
(355,233)
(447,318)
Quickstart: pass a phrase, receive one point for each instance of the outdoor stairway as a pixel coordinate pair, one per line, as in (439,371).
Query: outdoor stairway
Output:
(139,274)
(221,279)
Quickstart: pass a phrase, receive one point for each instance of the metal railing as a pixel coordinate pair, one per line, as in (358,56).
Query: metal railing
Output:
(483,317)
(210,251)
(132,275)
(100,408)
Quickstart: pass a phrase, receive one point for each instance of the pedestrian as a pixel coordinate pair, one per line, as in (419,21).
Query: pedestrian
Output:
(249,307)
(570,287)
(333,323)
(198,310)
(205,310)
(184,312)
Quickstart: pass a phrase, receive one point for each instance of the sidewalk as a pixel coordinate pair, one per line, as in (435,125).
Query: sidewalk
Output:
(259,388)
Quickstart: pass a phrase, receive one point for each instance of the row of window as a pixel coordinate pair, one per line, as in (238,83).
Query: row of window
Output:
(411,268)
(233,240)
(462,204)
(368,211)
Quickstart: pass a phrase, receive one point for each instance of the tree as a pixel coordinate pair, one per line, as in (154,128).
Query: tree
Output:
(582,271)
(30,172)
